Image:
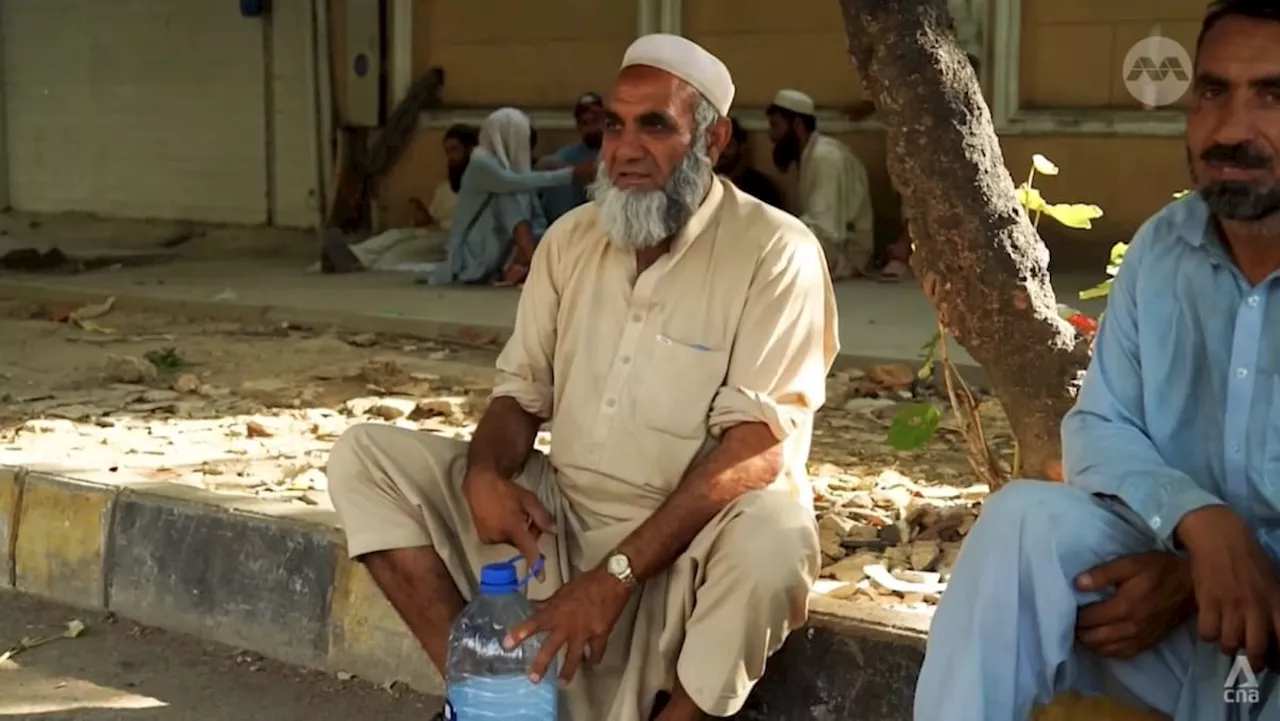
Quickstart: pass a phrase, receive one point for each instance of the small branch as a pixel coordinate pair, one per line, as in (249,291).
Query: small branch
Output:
(981,458)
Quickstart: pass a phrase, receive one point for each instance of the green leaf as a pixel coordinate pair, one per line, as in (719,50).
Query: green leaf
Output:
(1181,194)
(1117,253)
(1043,165)
(914,426)
(1100,290)
(1074,215)
(1030,198)
(929,352)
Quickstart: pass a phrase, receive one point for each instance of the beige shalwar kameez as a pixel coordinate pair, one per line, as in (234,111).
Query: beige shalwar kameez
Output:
(835,202)
(640,375)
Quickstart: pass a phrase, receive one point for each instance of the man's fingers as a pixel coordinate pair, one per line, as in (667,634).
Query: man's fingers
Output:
(1232,634)
(1103,636)
(598,646)
(520,633)
(527,544)
(1257,633)
(546,655)
(1103,613)
(572,659)
(1112,573)
(1209,621)
(1122,649)
(538,513)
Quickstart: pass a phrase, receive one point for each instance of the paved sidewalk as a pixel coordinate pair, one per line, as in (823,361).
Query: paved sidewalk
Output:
(878,322)
(119,671)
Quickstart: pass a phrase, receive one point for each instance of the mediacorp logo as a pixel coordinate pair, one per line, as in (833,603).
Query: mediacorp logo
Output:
(1157,71)
(1241,686)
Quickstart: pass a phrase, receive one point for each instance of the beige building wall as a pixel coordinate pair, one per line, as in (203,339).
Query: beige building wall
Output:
(516,52)
(1073,52)
(770,45)
(1070,59)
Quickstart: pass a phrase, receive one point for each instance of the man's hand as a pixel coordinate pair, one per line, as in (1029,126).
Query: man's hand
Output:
(1236,588)
(1153,595)
(549,162)
(505,512)
(581,615)
(585,172)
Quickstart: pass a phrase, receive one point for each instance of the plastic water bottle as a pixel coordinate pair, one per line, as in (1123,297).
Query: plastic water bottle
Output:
(483,680)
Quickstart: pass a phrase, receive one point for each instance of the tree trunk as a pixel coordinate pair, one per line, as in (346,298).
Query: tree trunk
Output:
(982,264)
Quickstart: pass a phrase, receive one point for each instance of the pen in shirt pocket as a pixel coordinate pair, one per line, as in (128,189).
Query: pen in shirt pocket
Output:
(695,346)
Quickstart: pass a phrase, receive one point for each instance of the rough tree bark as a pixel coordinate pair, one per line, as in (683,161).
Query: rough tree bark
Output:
(982,264)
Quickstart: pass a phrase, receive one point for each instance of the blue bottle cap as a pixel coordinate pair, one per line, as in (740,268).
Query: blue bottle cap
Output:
(500,578)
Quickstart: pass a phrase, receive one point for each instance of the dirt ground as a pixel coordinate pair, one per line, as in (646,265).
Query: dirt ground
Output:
(118,671)
(253,410)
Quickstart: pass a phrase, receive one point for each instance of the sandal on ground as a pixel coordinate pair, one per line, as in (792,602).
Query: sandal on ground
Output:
(895,271)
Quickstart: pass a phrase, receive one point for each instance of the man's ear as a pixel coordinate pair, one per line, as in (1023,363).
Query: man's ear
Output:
(718,138)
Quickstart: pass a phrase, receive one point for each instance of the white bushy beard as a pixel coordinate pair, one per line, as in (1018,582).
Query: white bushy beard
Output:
(638,219)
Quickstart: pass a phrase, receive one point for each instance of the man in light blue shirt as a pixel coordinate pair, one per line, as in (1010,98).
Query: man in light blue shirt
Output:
(1154,568)
(588,115)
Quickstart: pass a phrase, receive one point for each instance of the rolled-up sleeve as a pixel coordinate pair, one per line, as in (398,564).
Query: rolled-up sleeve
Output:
(786,341)
(525,367)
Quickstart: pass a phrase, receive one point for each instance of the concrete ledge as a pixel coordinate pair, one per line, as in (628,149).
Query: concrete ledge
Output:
(274,578)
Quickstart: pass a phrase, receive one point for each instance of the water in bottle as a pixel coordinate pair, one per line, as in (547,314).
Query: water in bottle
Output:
(483,680)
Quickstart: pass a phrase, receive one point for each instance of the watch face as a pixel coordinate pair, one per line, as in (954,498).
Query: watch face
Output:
(618,564)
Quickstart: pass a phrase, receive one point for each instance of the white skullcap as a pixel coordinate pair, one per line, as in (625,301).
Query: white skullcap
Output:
(795,101)
(688,61)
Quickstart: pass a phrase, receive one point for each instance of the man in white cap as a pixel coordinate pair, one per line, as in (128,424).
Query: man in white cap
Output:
(678,333)
(834,195)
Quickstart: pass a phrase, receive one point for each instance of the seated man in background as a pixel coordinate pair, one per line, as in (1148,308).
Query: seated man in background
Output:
(735,164)
(415,248)
(1152,573)
(677,333)
(588,115)
(499,219)
(834,194)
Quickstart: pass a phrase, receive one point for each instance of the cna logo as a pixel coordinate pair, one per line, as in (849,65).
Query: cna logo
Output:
(1242,685)
(1157,71)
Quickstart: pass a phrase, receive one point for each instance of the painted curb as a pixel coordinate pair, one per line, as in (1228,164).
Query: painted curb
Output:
(274,578)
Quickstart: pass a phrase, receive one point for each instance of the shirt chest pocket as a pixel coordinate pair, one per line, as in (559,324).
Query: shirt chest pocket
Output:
(679,382)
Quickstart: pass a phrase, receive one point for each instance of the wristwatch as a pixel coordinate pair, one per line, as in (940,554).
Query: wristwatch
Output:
(618,565)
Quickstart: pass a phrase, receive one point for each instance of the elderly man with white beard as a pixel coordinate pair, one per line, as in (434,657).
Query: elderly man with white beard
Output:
(677,333)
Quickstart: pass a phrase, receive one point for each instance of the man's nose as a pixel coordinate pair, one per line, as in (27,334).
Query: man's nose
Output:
(628,150)
(1237,124)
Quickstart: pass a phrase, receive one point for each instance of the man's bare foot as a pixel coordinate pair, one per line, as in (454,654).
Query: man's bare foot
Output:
(514,275)
(895,271)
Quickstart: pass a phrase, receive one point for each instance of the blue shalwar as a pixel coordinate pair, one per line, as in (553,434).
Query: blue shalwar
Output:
(492,201)
(1180,409)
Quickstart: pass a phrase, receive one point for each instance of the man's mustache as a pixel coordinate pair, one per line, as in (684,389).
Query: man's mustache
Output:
(1238,155)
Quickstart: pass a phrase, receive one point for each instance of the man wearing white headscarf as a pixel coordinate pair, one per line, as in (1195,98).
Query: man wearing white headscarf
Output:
(498,209)
(834,194)
(678,333)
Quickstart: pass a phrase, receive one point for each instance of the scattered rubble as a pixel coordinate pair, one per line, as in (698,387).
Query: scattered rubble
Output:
(254,411)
